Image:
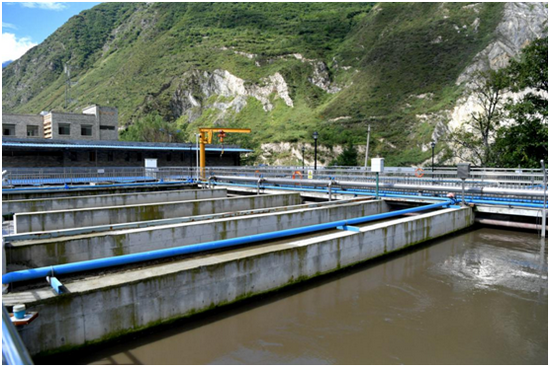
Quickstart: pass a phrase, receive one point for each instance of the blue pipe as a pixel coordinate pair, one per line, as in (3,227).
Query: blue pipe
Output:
(471,199)
(468,199)
(58,188)
(22,275)
(496,200)
(335,191)
(524,205)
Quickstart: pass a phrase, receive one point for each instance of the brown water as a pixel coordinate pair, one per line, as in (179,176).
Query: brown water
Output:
(475,298)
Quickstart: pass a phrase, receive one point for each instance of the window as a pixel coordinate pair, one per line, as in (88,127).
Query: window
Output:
(9,129)
(110,156)
(86,130)
(64,129)
(127,157)
(140,157)
(103,127)
(72,156)
(169,157)
(32,130)
(92,156)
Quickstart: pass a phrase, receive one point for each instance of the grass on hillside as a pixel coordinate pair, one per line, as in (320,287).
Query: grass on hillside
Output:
(385,55)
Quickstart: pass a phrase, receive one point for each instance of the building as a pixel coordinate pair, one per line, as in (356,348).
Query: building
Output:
(94,123)
(32,152)
(90,139)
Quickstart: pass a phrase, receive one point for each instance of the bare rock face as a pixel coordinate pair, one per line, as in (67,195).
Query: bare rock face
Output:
(521,24)
(321,78)
(198,91)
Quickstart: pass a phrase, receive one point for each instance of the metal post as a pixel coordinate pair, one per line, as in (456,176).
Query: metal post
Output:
(377,187)
(315,136)
(197,155)
(303,159)
(433,155)
(202,157)
(367,148)
(433,147)
(315,167)
(463,199)
(544,183)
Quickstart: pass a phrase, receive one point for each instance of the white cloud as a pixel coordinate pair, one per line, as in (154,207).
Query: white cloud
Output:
(8,25)
(13,47)
(46,5)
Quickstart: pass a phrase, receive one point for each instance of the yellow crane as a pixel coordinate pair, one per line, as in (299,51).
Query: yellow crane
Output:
(206,135)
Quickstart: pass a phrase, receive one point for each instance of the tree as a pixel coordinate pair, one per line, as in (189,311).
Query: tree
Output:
(525,141)
(348,157)
(153,128)
(474,139)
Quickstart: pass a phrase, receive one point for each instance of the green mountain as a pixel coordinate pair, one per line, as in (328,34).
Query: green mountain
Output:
(282,69)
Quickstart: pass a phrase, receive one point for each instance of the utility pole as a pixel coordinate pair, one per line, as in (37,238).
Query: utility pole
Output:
(67,70)
(433,147)
(367,149)
(68,84)
(315,137)
(197,136)
(544,183)
(303,158)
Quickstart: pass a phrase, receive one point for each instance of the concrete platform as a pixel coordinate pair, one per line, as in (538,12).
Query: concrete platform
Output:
(75,218)
(102,307)
(514,211)
(61,250)
(100,201)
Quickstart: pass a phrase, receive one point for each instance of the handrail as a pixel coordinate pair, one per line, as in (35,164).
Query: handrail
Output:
(470,190)
(14,351)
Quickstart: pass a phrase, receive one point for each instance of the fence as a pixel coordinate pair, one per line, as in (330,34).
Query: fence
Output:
(502,178)
(84,175)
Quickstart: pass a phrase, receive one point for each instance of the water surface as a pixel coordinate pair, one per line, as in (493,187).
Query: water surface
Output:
(475,298)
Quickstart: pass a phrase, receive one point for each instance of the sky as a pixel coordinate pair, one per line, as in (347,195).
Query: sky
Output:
(25,24)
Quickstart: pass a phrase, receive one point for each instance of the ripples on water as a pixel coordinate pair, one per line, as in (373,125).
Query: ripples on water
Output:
(475,298)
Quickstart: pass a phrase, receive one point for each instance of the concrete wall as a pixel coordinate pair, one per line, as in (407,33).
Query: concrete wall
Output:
(54,251)
(99,309)
(106,120)
(46,221)
(75,121)
(96,201)
(21,122)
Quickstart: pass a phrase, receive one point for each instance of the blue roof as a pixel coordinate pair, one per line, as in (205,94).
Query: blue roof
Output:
(20,143)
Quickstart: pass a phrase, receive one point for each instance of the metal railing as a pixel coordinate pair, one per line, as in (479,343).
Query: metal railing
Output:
(14,351)
(503,178)
(85,175)
(440,176)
